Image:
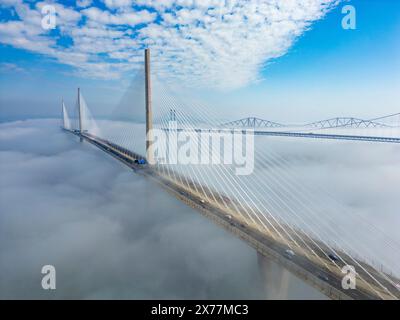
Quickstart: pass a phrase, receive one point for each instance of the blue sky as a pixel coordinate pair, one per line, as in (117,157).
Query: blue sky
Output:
(301,65)
(333,72)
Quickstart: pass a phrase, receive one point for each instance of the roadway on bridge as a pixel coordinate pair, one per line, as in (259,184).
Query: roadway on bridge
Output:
(318,269)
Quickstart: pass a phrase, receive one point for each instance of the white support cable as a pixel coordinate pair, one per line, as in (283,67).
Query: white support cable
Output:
(212,192)
(215,200)
(191,179)
(251,208)
(258,183)
(357,263)
(309,247)
(392,242)
(294,190)
(371,227)
(345,252)
(193,183)
(325,244)
(341,247)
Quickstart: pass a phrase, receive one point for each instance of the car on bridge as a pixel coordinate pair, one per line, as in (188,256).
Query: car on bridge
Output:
(140,161)
(289,253)
(333,257)
(322,276)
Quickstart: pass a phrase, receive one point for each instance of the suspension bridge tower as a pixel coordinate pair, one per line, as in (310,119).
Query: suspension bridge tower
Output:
(149,111)
(80,115)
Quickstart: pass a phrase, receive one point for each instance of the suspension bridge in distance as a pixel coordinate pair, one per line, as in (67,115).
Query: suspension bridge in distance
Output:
(308,256)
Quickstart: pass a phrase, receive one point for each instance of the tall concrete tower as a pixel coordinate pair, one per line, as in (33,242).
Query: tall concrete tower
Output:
(79,110)
(80,114)
(149,111)
(62,113)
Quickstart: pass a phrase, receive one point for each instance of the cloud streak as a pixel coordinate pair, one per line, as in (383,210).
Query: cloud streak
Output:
(105,229)
(219,44)
(110,235)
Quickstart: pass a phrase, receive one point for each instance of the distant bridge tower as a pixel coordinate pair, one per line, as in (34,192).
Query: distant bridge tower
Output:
(63,113)
(172,115)
(149,111)
(80,114)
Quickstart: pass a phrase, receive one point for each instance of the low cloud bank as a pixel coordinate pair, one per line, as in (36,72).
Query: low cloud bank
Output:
(108,232)
(113,234)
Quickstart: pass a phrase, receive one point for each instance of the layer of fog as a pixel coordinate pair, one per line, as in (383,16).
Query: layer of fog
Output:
(343,192)
(108,232)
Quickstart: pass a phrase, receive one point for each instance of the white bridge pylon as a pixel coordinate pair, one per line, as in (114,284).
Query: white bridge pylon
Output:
(82,120)
(65,117)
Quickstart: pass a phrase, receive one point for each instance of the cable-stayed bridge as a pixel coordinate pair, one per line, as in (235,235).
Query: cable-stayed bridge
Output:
(271,208)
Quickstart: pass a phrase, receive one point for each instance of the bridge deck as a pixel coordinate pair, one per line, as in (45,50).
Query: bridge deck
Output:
(294,134)
(315,269)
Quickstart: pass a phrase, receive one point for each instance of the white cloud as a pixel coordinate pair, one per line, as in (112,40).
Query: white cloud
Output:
(205,43)
(83,3)
(75,206)
(116,4)
(130,18)
(72,201)
(6,67)
(9,2)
